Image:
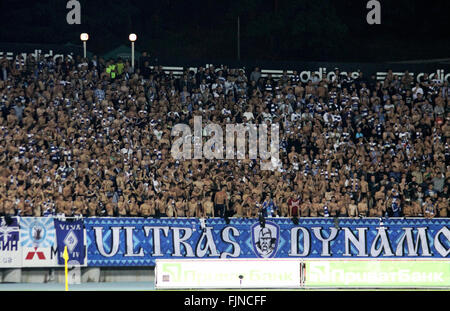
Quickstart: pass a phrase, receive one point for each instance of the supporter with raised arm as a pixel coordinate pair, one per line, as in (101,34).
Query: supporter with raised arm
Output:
(85,135)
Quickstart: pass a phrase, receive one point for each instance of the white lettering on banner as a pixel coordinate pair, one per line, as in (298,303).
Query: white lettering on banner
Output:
(226,238)
(416,276)
(178,241)
(351,277)
(372,277)
(302,76)
(130,245)
(440,75)
(404,276)
(325,241)
(337,275)
(156,238)
(306,75)
(437,242)
(381,76)
(36,53)
(420,75)
(359,243)
(68,227)
(209,244)
(295,242)
(447,77)
(429,277)
(384,244)
(10,250)
(322,273)
(438,276)
(413,248)
(409,241)
(115,240)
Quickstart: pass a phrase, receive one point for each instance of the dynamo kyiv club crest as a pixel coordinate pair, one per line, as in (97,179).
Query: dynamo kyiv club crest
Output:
(265,239)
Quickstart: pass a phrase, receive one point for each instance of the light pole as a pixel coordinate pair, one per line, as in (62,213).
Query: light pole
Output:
(84,37)
(132,37)
(238,39)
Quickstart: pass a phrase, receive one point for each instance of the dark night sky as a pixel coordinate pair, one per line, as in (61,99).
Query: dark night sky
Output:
(270,29)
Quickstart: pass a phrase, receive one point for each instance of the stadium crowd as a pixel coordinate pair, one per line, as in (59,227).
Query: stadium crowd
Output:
(93,138)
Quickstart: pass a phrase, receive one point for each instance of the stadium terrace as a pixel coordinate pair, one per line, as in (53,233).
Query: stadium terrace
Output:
(92,137)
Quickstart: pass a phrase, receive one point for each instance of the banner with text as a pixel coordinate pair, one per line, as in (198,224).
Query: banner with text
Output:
(377,273)
(139,241)
(38,239)
(10,250)
(70,234)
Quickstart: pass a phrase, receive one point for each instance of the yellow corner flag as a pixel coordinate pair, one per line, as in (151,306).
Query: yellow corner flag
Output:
(66,258)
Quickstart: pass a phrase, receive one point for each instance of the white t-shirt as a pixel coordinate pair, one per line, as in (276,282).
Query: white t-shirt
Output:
(249,115)
(158,134)
(417,90)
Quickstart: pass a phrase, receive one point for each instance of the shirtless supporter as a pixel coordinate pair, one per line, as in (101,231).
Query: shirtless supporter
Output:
(78,142)
(221,203)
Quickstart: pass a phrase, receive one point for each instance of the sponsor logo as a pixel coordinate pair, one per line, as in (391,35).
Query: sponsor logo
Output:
(37,233)
(31,254)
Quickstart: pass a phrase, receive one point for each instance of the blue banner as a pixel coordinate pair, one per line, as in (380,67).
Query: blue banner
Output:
(70,234)
(139,241)
(10,250)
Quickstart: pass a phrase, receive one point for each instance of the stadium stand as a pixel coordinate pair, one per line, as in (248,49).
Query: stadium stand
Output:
(92,138)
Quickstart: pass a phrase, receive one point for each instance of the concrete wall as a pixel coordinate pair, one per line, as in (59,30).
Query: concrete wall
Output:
(56,275)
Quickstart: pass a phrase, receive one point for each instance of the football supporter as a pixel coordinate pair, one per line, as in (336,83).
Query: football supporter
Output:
(93,138)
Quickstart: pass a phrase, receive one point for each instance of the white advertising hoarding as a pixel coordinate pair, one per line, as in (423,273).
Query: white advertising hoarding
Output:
(228,273)
(37,238)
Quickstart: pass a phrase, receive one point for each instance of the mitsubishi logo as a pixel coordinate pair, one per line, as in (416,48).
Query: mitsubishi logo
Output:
(30,255)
